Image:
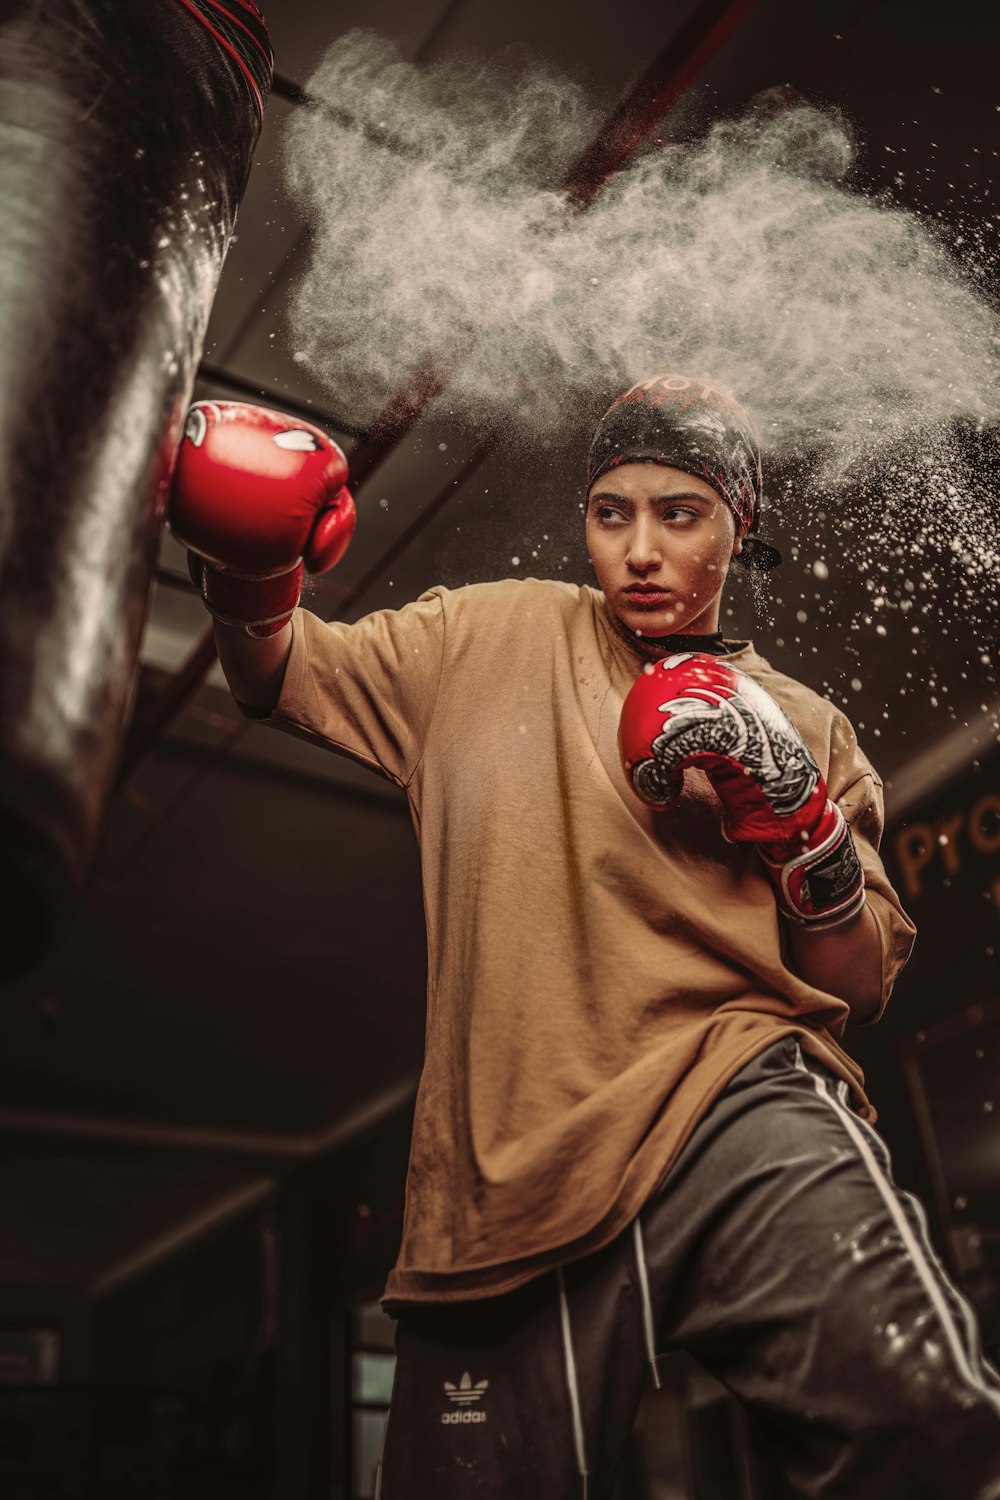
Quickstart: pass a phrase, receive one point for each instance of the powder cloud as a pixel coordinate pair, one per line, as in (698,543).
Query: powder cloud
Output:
(440,233)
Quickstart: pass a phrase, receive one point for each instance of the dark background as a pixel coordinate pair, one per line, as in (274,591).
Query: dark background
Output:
(204,1089)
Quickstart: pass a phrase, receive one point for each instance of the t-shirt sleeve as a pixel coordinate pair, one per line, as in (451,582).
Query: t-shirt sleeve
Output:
(857,789)
(367,690)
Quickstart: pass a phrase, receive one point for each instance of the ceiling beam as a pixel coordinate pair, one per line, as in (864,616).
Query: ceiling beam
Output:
(180,1236)
(705,32)
(22,1124)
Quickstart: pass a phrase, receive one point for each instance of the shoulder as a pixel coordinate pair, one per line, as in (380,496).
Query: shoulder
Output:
(788,691)
(513,601)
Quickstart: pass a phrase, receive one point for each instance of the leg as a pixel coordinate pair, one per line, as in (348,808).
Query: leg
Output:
(805,1283)
(529,1396)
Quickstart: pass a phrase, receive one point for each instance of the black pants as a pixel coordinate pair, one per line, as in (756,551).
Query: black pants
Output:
(782,1256)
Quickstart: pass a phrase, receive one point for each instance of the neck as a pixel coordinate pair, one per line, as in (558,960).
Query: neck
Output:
(655,647)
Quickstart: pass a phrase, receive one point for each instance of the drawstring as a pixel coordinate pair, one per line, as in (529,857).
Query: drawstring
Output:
(647,1305)
(571,1385)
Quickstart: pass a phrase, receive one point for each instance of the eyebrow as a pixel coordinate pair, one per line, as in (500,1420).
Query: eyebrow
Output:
(656,499)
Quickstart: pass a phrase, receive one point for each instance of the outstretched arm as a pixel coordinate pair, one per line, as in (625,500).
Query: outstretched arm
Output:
(257,498)
(254,666)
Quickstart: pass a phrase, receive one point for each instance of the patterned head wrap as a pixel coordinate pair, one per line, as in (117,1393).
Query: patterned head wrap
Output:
(692,425)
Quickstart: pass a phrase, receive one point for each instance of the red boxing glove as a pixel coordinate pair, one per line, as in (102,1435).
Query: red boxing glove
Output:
(695,710)
(257,496)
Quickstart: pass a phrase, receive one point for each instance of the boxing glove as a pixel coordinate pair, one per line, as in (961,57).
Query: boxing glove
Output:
(257,496)
(694,710)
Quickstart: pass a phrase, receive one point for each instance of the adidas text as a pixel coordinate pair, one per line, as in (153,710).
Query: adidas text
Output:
(463,1416)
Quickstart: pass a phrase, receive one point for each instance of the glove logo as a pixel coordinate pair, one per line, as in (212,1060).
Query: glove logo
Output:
(297,439)
(196,425)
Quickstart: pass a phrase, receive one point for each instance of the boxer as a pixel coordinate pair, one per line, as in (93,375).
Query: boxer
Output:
(654,902)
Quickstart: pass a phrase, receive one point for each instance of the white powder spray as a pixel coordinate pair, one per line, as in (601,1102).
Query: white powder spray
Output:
(744,255)
(868,354)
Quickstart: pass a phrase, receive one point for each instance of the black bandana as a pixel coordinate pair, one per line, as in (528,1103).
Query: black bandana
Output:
(692,425)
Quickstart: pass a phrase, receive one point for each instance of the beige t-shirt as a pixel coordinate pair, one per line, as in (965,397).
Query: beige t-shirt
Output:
(597,971)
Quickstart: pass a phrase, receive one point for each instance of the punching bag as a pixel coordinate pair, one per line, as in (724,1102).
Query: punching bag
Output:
(126,137)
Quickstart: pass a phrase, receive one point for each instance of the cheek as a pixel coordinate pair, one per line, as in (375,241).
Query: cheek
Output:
(598,547)
(706,562)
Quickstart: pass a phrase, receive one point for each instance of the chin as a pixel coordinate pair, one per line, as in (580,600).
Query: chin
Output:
(661,623)
(653,622)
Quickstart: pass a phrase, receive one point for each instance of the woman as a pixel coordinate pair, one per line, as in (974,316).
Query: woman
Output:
(636,1128)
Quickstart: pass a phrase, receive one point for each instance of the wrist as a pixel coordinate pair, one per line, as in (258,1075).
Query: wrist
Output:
(818,881)
(259,604)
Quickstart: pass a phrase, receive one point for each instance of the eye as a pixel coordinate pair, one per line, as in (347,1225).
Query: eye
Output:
(608,515)
(680,513)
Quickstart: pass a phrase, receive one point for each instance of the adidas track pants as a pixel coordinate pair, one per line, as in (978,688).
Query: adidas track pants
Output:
(781,1255)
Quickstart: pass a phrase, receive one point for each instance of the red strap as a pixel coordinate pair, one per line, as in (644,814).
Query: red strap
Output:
(255,603)
(227,47)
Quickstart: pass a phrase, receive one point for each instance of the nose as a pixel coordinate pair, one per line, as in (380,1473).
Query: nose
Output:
(644,546)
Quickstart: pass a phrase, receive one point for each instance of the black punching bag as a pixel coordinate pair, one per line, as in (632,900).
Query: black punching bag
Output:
(127,129)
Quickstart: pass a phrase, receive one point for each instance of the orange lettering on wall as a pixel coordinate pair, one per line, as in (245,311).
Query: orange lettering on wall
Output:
(986,843)
(947,843)
(914,847)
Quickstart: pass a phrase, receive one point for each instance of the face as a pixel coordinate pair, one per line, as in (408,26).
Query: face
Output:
(661,542)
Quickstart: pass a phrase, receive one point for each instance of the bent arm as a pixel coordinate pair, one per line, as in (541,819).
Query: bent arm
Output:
(254,667)
(845,961)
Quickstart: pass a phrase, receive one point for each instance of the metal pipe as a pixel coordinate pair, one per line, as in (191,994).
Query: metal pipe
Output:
(702,35)
(204,1139)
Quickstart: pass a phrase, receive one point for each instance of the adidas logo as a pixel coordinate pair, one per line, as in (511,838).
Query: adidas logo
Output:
(463,1397)
(465,1393)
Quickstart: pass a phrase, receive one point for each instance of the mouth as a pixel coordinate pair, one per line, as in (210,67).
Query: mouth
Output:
(646,595)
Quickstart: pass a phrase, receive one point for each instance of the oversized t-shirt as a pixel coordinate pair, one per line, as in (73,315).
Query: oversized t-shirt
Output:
(597,971)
